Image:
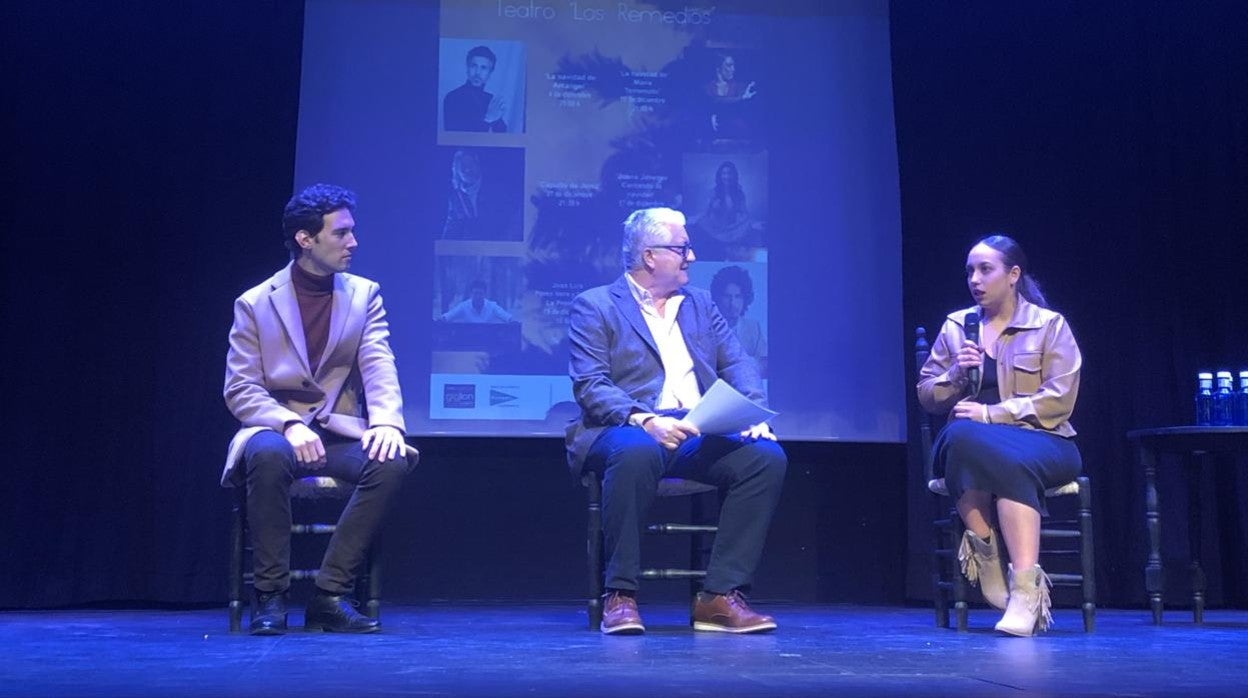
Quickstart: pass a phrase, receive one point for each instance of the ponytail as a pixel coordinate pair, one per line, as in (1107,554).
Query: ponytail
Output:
(1029,289)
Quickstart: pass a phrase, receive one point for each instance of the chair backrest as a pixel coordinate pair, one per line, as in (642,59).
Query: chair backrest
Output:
(921,351)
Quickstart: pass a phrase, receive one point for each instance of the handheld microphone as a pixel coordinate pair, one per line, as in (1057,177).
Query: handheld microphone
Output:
(971,323)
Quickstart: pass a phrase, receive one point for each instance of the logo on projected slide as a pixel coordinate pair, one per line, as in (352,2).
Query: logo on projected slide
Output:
(498,397)
(458,395)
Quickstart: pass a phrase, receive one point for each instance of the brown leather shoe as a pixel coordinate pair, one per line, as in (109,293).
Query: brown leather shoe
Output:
(728,613)
(620,616)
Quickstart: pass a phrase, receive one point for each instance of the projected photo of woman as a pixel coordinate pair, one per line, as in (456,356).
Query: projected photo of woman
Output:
(731,100)
(733,292)
(728,227)
(726,217)
(1008,397)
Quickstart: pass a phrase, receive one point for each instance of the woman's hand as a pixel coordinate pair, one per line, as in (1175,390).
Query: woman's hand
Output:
(974,411)
(969,356)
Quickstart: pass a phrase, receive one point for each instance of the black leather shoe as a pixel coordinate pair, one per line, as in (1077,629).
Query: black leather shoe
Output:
(336,614)
(268,613)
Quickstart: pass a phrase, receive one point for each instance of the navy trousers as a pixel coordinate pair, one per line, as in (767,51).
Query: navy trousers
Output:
(750,474)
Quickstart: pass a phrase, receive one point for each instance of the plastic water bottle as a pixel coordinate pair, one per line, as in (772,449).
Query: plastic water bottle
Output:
(1204,399)
(1241,400)
(1224,401)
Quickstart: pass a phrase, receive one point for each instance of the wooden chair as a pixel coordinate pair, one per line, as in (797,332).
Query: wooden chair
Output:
(699,528)
(302,491)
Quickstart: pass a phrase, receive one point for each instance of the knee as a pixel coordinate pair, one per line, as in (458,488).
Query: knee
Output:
(626,452)
(635,463)
(770,461)
(958,430)
(269,458)
(960,434)
(775,460)
(392,470)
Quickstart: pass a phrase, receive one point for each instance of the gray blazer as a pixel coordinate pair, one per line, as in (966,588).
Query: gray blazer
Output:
(268,380)
(615,365)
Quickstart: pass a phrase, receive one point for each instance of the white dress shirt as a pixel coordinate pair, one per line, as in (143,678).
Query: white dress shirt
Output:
(680,384)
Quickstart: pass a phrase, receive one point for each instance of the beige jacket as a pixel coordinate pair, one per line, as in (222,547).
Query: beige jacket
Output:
(269,383)
(1038,366)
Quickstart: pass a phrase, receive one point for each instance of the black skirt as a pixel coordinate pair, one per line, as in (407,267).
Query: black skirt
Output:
(1008,461)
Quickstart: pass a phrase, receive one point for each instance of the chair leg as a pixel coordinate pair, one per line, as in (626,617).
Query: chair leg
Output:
(697,516)
(1087,554)
(238,531)
(593,549)
(955,571)
(940,595)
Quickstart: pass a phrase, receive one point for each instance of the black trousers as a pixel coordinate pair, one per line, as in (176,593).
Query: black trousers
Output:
(750,474)
(271,468)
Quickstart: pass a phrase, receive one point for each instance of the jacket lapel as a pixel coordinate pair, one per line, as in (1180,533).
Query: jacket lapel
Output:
(343,293)
(622,295)
(287,308)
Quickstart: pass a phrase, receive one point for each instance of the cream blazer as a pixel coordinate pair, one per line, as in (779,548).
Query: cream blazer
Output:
(268,380)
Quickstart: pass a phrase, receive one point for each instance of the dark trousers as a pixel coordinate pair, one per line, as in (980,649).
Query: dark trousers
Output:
(749,474)
(271,468)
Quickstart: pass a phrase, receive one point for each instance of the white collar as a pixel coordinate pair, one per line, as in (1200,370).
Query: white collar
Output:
(643,295)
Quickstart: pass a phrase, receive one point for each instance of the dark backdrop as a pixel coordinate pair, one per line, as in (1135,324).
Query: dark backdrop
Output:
(151,148)
(1111,139)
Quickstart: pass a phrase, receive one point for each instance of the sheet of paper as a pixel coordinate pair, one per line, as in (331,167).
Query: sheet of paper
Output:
(723,410)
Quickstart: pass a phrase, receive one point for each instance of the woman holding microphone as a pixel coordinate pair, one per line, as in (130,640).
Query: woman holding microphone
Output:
(1008,394)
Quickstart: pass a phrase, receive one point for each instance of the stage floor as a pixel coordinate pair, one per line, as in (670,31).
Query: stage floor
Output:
(494,649)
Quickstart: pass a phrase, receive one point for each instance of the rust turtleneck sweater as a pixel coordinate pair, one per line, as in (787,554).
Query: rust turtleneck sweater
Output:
(316,301)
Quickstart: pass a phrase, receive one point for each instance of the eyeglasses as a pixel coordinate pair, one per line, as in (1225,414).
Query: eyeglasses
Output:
(682,250)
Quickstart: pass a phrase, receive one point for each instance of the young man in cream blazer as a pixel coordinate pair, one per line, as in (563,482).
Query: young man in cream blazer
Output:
(310,375)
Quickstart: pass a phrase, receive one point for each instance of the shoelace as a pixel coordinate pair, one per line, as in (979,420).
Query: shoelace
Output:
(736,598)
(610,595)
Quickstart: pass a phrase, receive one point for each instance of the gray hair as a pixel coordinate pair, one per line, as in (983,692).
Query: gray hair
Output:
(646,227)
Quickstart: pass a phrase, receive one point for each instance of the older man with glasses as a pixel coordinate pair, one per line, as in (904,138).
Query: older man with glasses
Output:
(643,351)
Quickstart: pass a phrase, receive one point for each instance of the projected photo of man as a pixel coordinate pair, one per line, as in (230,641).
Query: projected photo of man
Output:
(475,304)
(733,292)
(477,308)
(486,193)
(471,106)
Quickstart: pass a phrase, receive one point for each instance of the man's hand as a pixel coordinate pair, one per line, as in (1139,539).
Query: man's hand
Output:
(496,109)
(974,411)
(308,447)
(383,443)
(762,430)
(669,431)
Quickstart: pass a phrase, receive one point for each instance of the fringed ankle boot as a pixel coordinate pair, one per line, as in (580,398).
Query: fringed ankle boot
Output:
(1028,610)
(981,564)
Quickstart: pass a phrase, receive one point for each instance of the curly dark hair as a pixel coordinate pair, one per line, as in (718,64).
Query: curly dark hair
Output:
(733,275)
(306,210)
